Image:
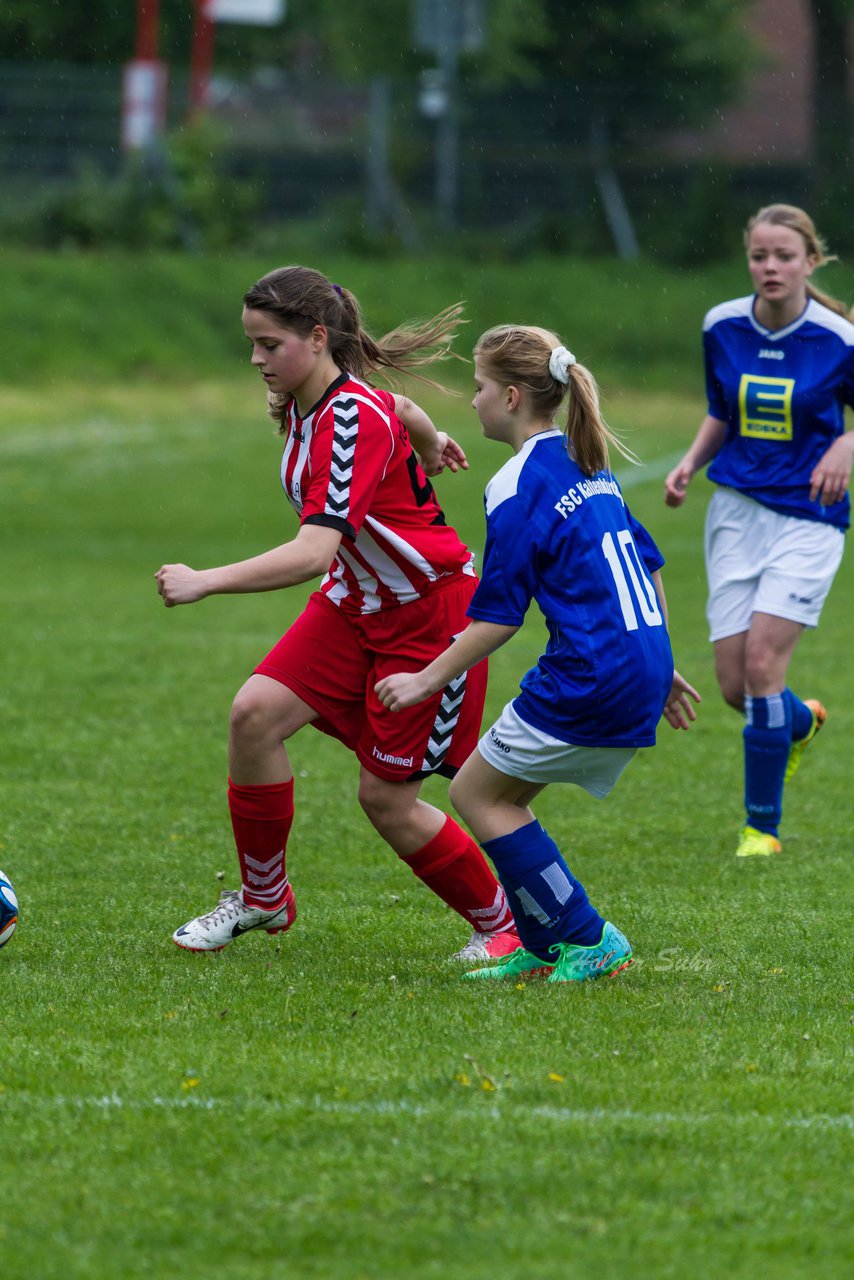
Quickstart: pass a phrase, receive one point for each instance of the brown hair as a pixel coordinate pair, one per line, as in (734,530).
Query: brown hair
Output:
(300,298)
(518,355)
(789,215)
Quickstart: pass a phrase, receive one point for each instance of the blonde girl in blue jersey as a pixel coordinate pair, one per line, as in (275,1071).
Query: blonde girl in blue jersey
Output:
(558,533)
(779,371)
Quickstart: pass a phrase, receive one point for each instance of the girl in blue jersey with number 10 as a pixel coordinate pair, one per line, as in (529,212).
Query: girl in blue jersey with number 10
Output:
(779,371)
(559,533)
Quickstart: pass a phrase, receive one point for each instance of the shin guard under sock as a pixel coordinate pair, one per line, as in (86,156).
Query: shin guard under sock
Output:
(767,739)
(452,865)
(261,819)
(548,903)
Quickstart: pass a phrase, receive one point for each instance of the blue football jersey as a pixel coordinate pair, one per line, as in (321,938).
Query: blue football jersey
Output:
(782,395)
(568,541)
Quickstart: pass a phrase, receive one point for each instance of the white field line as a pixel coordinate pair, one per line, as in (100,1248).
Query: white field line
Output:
(102,431)
(34,443)
(632,477)
(571,1116)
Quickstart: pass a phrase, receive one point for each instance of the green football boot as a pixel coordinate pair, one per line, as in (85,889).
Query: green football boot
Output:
(757,844)
(519,965)
(606,959)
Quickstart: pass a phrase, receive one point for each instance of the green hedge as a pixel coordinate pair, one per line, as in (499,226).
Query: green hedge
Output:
(176,316)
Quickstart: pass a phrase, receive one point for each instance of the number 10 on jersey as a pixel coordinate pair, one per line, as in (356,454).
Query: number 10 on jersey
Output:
(633,585)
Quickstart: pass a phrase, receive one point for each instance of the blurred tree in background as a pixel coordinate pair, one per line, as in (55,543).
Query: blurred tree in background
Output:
(68,30)
(658,63)
(578,81)
(678,53)
(832,176)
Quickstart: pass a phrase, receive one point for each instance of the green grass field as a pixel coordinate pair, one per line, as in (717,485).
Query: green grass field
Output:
(334,1104)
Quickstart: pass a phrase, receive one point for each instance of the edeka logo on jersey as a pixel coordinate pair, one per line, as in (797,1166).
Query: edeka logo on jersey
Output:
(765,407)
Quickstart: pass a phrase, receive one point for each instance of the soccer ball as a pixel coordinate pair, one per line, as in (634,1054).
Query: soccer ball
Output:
(8,910)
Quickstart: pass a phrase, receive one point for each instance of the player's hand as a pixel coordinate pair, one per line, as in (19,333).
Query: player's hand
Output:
(676,484)
(404,689)
(832,473)
(444,453)
(678,711)
(179,584)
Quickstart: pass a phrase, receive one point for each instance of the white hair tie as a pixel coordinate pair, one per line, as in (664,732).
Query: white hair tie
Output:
(560,363)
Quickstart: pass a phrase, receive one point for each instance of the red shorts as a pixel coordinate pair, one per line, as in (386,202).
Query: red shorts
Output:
(332,660)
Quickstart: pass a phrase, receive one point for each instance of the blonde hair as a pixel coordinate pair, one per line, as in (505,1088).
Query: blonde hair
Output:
(298,298)
(789,215)
(518,355)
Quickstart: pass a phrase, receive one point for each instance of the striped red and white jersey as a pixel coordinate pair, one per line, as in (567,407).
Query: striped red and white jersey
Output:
(348,464)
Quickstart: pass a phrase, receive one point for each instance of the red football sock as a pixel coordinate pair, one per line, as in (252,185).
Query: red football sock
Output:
(452,865)
(261,818)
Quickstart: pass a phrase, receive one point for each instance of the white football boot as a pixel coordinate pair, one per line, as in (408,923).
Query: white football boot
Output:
(230,919)
(488,946)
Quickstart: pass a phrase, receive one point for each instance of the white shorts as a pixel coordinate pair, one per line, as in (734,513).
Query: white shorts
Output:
(514,747)
(759,561)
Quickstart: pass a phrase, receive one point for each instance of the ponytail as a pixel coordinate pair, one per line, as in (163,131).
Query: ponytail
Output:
(300,298)
(832,304)
(533,359)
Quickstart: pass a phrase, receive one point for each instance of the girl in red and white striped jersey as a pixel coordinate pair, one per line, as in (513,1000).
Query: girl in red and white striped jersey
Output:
(397,581)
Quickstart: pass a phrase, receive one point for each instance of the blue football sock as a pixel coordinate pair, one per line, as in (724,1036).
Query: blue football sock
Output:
(801,715)
(549,905)
(767,739)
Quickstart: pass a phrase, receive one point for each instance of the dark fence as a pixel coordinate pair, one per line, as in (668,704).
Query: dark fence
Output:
(540,163)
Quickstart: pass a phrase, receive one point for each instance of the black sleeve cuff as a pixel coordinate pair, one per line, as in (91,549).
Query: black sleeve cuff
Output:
(333,522)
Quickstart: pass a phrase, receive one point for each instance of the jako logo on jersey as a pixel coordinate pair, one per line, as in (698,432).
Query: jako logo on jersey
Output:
(502,746)
(405,761)
(767,353)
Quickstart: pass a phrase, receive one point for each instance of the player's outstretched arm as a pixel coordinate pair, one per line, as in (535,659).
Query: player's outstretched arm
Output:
(406,688)
(678,711)
(436,450)
(309,554)
(658,583)
(707,442)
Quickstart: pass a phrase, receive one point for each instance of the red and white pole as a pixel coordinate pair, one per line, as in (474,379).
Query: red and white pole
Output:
(147,19)
(201,55)
(144,83)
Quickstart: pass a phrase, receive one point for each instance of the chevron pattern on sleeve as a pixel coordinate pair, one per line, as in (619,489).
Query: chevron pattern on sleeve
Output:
(345,413)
